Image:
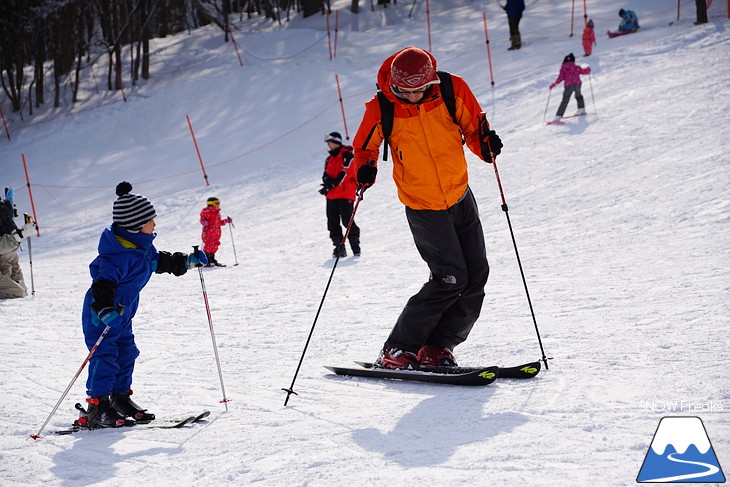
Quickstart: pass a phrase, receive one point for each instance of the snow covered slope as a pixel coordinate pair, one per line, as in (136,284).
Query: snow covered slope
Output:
(622,219)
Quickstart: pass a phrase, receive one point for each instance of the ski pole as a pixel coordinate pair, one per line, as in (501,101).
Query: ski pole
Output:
(231,227)
(88,357)
(30,257)
(290,390)
(590,84)
(225,401)
(544,115)
(517,254)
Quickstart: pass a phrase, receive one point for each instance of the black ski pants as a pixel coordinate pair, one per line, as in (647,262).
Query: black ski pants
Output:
(340,210)
(567,93)
(444,311)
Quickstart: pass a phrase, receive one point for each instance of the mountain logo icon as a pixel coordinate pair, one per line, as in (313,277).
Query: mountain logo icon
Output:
(681,452)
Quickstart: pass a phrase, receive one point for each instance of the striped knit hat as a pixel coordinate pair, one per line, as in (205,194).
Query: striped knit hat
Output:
(131,211)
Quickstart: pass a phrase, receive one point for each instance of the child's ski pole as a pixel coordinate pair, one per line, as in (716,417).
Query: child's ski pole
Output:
(78,372)
(231,227)
(590,83)
(210,325)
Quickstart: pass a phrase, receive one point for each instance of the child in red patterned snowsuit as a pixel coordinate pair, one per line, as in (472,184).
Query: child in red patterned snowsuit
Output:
(589,38)
(210,218)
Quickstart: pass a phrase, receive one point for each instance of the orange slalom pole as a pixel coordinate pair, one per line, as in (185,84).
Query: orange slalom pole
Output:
(342,106)
(240,61)
(30,193)
(200,158)
(119,76)
(572,16)
(489,52)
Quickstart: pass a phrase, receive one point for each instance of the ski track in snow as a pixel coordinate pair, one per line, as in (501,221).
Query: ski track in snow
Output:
(620,217)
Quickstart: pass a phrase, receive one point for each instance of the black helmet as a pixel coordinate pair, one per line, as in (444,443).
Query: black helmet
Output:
(570,58)
(621,12)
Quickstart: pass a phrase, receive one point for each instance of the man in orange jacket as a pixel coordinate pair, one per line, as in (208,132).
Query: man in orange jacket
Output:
(430,172)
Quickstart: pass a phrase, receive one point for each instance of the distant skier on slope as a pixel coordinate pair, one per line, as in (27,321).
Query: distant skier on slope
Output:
(210,218)
(340,188)
(570,75)
(589,38)
(127,259)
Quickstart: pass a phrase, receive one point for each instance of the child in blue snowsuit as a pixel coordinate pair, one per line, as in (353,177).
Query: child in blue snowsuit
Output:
(127,259)
(629,21)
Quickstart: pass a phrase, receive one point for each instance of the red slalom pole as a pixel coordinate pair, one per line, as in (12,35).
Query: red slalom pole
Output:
(30,193)
(489,52)
(119,76)
(572,16)
(68,388)
(197,150)
(342,106)
(240,61)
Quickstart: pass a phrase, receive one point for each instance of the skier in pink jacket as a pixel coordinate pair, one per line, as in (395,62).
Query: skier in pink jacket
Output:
(570,76)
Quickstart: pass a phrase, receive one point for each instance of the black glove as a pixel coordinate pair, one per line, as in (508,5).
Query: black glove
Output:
(366,174)
(176,264)
(103,293)
(327,184)
(490,142)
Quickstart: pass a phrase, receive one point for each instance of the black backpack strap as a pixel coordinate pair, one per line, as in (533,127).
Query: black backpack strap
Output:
(386,120)
(447,94)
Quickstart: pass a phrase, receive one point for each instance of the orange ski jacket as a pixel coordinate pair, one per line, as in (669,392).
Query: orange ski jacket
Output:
(429,165)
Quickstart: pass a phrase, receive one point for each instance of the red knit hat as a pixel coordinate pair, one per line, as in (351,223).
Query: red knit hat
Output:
(412,68)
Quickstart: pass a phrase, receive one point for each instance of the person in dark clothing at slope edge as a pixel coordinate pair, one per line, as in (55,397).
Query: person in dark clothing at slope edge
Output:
(514,9)
(430,172)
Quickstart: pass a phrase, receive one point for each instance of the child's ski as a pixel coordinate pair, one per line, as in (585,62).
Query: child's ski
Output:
(155,423)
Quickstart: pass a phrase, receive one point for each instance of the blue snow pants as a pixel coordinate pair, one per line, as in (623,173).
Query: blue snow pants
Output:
(112,364)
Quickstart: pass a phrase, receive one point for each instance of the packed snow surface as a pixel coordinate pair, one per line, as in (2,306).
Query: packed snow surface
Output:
(621,219)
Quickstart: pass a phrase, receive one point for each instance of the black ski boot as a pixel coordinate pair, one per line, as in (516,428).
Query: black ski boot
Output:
(126,407)
(339,251)
(212,262)
(101,414)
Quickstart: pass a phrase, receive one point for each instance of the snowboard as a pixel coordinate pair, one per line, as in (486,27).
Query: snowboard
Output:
(461,376)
